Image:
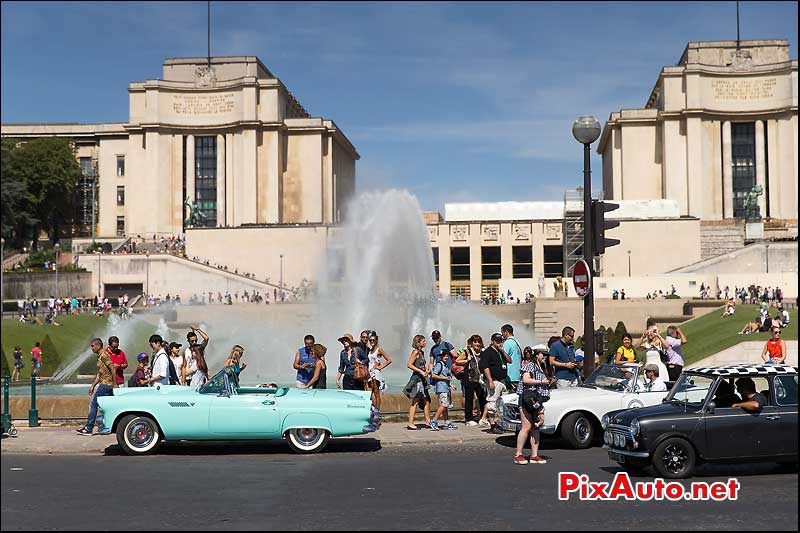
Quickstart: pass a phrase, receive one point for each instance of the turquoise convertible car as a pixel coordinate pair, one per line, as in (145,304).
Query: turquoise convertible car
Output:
(144,417)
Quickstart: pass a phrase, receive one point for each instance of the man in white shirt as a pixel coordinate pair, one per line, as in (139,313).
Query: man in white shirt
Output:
(654,383)
(160,365)
(783,315)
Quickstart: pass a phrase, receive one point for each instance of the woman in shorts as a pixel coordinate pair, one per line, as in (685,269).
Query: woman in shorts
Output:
(533,377)
(378,360)
(416,389)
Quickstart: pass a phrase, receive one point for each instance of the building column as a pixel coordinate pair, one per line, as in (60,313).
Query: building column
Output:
(190,170)
(229,165)
(220,180)
(727,171)
(760,168)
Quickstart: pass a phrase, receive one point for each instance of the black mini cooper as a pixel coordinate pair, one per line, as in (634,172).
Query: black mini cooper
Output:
(697,423)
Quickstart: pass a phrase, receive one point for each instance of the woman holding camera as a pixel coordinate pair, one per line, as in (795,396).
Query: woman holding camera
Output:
(532,390)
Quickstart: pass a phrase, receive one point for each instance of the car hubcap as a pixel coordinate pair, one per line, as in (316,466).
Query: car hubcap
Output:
(675,458)
(308,437)
(140,434)
(582,430)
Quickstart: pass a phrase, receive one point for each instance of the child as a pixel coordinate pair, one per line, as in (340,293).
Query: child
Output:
(442,377)
(141,372)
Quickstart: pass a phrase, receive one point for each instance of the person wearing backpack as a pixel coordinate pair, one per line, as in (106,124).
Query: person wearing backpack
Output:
(160,363)
(140,376)
(533,391)
(443,387)
(468,359)
(439,347)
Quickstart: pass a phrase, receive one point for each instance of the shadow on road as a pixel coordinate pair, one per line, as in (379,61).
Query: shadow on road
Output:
(270,447)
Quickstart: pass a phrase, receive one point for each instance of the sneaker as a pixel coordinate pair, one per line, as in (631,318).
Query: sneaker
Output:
(450,425)
(538,459)
(472,423)
(84,431)
(484,424)
(104,432)
(520,460)
(434,425)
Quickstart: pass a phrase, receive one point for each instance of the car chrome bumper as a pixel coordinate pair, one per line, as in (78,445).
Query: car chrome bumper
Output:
(641,455)
(507,425)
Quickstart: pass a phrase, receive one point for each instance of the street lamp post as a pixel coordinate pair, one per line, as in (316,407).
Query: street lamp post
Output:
(629,263)
(2,268)
(147,279)
(281,282)
(57,248)
(766,256)
(586,130)
(99,255)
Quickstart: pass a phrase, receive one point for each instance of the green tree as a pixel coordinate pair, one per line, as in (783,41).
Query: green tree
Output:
(50,173)
(15,200)
(615,339)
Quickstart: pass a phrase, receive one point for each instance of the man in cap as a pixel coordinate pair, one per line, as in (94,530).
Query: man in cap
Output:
(654,382)
(439,348)
(492,364)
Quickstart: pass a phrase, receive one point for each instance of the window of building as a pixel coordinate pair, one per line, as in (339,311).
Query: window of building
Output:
(459,263)
(120,226)
(436,262)
(205,180)
(86,165)
(490,262)
(120,195)
(120,165)
(490,289)
(460,290)
(522,260)
(553,261)
(743,160)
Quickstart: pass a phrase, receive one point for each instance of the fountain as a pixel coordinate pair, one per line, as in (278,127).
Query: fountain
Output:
(376,274)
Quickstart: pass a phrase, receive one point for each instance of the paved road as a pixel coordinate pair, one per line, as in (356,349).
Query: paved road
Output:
(359,485)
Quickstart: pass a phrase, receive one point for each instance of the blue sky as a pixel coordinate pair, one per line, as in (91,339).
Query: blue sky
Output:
(454,101)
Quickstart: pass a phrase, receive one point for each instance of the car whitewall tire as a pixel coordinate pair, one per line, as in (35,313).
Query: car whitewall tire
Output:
(307,440)
(138,435)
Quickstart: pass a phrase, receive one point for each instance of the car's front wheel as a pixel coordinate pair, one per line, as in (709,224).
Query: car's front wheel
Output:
(308,440)
(674,458)
(138,435)
(578,430)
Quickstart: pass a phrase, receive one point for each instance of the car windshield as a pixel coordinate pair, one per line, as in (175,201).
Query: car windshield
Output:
(612,377)
(218,384)
(691,389)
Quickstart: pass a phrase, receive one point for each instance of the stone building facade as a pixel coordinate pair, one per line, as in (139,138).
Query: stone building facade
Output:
(223,139)
(720,122)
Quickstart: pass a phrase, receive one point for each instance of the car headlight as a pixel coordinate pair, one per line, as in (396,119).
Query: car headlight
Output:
(635,426)
(604,421)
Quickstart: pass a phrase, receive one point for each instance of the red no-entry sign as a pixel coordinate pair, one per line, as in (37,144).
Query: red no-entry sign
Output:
(581,278)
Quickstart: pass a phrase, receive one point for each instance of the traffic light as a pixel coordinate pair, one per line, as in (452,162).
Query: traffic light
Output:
(600,225)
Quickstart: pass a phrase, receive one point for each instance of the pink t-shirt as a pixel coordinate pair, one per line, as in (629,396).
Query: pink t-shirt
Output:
(36,355)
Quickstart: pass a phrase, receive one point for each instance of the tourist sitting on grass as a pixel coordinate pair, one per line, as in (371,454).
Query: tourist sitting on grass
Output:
(51,320)
(730,308)
(751,327)
(782,317)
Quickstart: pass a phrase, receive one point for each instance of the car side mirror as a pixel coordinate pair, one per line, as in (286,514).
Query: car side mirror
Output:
(710,407)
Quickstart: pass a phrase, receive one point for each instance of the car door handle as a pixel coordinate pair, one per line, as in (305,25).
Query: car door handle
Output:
(268,402)
(774,417)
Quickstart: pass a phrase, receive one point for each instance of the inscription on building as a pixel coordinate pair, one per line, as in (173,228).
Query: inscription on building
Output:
(743,90)
(203,104)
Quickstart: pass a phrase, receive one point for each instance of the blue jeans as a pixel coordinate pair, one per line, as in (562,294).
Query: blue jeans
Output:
(100,390)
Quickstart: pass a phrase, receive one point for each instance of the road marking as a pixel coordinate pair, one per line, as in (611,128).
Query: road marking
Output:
(16,469)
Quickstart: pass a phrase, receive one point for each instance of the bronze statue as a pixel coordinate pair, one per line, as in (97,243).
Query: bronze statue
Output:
(195,215)
(752,211)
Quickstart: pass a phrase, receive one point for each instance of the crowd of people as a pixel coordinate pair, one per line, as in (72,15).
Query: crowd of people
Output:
(31,310)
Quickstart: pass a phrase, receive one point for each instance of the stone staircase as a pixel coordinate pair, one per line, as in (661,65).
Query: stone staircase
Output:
(719,237)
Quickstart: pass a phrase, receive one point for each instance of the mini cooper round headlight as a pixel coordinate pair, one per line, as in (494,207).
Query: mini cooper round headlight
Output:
(635,426)
(619,440)
(604,421)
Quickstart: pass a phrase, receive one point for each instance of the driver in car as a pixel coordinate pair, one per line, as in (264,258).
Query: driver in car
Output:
(630,380)
(753,401)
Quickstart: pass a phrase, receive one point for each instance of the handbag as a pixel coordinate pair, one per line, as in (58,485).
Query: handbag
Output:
(361,372)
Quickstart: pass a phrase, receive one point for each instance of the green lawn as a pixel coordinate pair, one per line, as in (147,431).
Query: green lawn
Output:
(710,334)
(67,340)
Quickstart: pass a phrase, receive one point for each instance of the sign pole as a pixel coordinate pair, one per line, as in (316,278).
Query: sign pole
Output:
(588,300)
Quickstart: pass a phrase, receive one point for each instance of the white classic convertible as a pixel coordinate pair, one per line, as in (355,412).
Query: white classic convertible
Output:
(575,412)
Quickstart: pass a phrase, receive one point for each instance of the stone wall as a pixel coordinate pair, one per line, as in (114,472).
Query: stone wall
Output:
(42,285)
(720,237)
